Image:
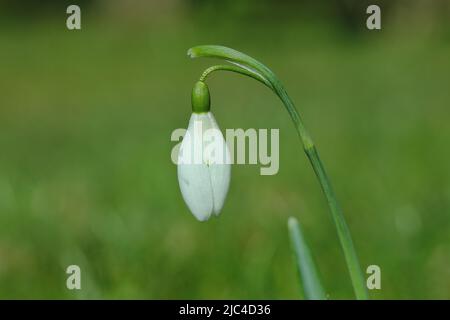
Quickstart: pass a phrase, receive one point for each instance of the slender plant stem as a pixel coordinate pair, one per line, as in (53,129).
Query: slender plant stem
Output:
(225,67)
(341,226)
(336,211)
(255,69)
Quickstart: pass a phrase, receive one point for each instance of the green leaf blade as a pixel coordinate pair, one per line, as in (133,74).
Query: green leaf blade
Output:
(311,284)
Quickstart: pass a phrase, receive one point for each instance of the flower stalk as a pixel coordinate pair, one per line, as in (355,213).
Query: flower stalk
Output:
(248,66)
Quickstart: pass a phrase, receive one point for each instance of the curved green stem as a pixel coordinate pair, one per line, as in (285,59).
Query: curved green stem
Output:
(257,70)
(240,70)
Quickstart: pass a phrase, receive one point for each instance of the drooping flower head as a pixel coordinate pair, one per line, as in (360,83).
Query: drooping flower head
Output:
(204,160)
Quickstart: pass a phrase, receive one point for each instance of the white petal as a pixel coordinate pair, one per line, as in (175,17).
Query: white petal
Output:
(220,181)
(221,170)
(195,185)
(194,177)
(203,182)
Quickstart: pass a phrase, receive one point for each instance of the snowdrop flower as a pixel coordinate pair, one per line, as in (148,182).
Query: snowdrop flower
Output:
(204,160)
(203,197)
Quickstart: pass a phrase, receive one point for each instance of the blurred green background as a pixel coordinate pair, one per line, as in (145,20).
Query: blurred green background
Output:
(85,171)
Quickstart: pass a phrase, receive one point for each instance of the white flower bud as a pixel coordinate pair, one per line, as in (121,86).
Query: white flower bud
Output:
(204,166)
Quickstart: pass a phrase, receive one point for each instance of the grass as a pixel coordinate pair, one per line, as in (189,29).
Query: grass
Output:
(86,177)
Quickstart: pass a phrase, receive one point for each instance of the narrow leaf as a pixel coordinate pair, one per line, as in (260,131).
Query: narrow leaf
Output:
(309,277)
